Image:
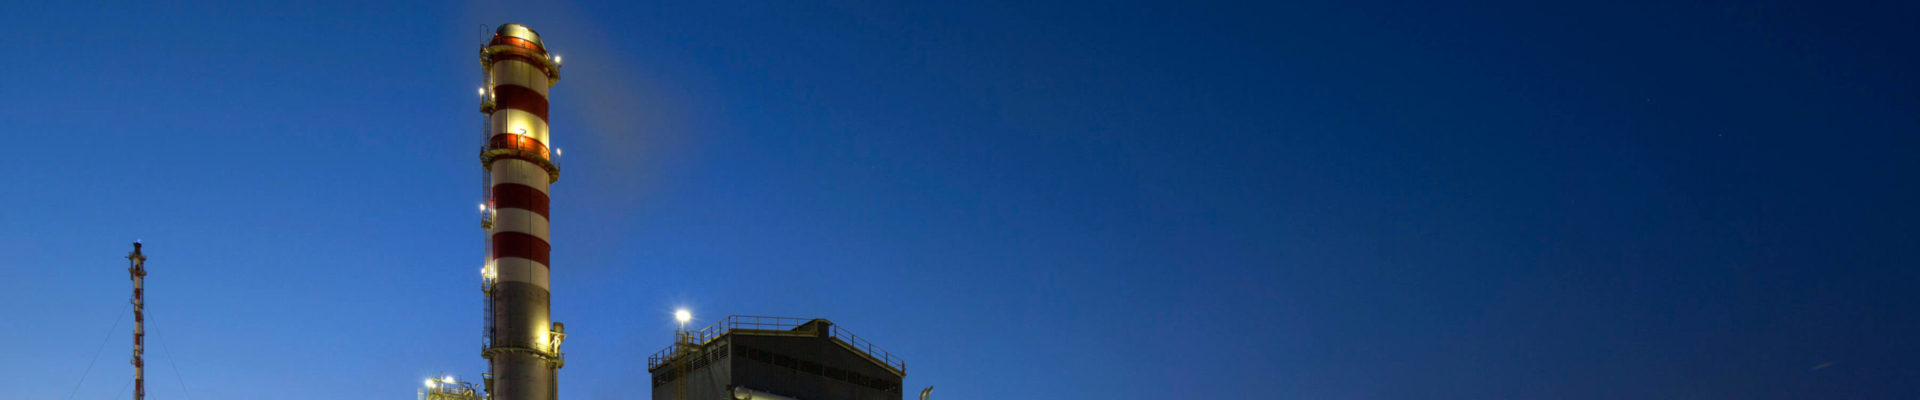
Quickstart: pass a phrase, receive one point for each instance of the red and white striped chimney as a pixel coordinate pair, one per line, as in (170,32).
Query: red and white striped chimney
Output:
(523,344)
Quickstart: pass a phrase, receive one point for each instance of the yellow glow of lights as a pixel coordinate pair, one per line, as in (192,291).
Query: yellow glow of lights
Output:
(483,206)
(429,382)
(483,91)
(682,315)
(447,379)
(556,59)
(556,151)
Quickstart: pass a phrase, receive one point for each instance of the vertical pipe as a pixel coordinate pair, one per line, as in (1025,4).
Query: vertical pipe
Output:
(138,271)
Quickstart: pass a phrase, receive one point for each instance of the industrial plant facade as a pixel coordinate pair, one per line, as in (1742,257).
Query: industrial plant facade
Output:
(739,357)
(744,357)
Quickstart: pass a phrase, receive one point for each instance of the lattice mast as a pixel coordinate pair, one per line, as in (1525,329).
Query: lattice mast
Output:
(138,271)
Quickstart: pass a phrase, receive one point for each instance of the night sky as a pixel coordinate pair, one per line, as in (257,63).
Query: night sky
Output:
(1056,200)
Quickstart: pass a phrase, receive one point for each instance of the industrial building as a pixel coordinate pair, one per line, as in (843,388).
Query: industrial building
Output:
(738,357)
(774,358)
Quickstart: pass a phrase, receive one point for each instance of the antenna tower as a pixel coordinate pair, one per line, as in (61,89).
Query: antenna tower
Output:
(139,274)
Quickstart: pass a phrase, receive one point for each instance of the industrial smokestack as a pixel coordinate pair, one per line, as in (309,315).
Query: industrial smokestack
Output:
(522,343)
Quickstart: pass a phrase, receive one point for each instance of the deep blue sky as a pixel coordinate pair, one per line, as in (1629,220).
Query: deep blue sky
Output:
(1024,200)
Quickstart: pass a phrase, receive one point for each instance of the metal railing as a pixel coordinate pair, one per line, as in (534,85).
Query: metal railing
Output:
(732,322)
(661,357)
(700,337)
(863,345)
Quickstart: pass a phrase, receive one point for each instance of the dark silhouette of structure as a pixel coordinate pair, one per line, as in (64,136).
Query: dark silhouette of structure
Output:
(774,358)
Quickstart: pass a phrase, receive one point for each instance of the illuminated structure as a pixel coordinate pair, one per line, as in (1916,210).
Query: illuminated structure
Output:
(521,342)
(445,388)
(774,358)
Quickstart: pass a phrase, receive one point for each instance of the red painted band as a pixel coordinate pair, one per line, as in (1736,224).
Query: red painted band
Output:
(518,97)
(552,171)
(514,195)
(517,142)
(516,244)
(516,42)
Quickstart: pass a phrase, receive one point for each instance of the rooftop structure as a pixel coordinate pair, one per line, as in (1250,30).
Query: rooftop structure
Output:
(753,357)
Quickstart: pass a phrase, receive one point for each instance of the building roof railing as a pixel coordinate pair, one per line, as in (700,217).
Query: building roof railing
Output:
(785,326)
(864,346)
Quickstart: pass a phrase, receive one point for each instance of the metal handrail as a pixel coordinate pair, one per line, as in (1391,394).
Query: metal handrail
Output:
(866,346)
(700,337)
